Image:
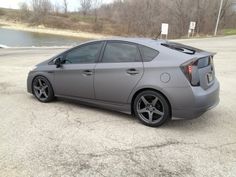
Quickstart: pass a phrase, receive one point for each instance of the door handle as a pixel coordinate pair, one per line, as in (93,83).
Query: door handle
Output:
(132,71)
(88,72)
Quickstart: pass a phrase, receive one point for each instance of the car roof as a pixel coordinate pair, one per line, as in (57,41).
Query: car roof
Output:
(142,41)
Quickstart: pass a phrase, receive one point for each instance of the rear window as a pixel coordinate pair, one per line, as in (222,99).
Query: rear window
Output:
(181,48)
(147,53)
(204,62)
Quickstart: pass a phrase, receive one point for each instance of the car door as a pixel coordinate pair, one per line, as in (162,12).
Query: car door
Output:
(75,77)
(118,72)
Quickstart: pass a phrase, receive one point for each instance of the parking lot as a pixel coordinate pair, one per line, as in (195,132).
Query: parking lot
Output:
(65,138)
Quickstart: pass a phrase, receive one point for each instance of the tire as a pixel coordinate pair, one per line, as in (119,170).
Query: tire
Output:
(151,108)
(42,89)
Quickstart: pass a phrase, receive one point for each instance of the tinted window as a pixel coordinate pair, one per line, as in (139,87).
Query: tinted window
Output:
(117,52)
(84,54)
(148,54)
(204,62)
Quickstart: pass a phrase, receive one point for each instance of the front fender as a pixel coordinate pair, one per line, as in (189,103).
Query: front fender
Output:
(33,74)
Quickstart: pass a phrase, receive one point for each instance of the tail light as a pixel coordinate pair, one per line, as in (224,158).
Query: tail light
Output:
(189,71)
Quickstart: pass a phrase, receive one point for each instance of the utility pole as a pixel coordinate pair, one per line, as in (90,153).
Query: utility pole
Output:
(218,18)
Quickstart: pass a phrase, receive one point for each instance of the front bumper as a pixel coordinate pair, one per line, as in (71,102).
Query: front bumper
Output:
(191,102)
(29,82)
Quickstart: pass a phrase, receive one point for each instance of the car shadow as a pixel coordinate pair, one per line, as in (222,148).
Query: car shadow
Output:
(176,123)
(199,123)
(95,108)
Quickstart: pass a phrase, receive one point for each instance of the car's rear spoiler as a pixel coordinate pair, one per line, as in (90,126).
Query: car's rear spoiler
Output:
(187,49)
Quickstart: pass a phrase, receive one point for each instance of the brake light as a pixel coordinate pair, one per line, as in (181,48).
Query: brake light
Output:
(190,69)
(187,69)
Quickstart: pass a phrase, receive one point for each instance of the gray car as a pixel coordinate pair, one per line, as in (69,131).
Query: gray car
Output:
(152,79)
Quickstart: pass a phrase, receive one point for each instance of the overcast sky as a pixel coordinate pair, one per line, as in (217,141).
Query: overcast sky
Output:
(72,4)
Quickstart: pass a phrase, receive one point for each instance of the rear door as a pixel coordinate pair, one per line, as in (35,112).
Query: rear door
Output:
(119,71)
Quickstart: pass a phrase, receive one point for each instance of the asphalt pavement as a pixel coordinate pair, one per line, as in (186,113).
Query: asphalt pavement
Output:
(65,138)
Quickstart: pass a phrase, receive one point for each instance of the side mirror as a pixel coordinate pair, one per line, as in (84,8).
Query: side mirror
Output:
(58,62)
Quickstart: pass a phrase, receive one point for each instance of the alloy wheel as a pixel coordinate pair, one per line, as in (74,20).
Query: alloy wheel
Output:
(150,109)
(41,89)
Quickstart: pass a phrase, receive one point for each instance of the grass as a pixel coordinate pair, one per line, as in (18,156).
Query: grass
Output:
(229,31)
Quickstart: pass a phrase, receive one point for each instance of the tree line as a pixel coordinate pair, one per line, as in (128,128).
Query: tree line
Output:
(142,17)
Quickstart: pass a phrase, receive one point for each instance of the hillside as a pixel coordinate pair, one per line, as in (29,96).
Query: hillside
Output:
(130,17)
(71,22)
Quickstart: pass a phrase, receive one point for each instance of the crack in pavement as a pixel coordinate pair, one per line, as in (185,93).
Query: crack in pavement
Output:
(155,146)
(68,160)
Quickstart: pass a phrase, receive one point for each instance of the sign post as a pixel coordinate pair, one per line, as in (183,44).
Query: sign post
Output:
(191,30)
(218,18)
(164,29)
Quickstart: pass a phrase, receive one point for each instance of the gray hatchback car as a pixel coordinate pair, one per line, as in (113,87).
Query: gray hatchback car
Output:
(152,79)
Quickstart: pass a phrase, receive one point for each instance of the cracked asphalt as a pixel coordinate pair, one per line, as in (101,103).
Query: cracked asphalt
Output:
(65,138)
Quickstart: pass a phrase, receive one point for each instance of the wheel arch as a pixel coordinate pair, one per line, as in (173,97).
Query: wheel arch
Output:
(41,75)
(145,89)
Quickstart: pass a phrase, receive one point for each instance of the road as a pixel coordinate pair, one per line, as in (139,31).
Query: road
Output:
(65,138)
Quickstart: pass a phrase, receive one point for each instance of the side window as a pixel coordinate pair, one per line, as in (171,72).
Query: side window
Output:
(117,52)
(148,54)
(84,54)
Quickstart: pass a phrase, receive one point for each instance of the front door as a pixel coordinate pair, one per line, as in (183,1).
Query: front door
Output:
(75,77)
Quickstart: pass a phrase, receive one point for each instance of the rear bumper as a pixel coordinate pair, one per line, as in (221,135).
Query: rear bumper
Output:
(192,113)
(195,101)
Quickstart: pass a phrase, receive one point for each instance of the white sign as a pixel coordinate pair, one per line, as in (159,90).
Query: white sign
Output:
(192,25)
(164,28)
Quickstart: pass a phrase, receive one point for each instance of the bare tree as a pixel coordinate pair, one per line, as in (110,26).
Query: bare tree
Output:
(24,10)
(56,8)
(85,6)
(98,24)
(65,3)
(41,7)
(96,4)
(23,6)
